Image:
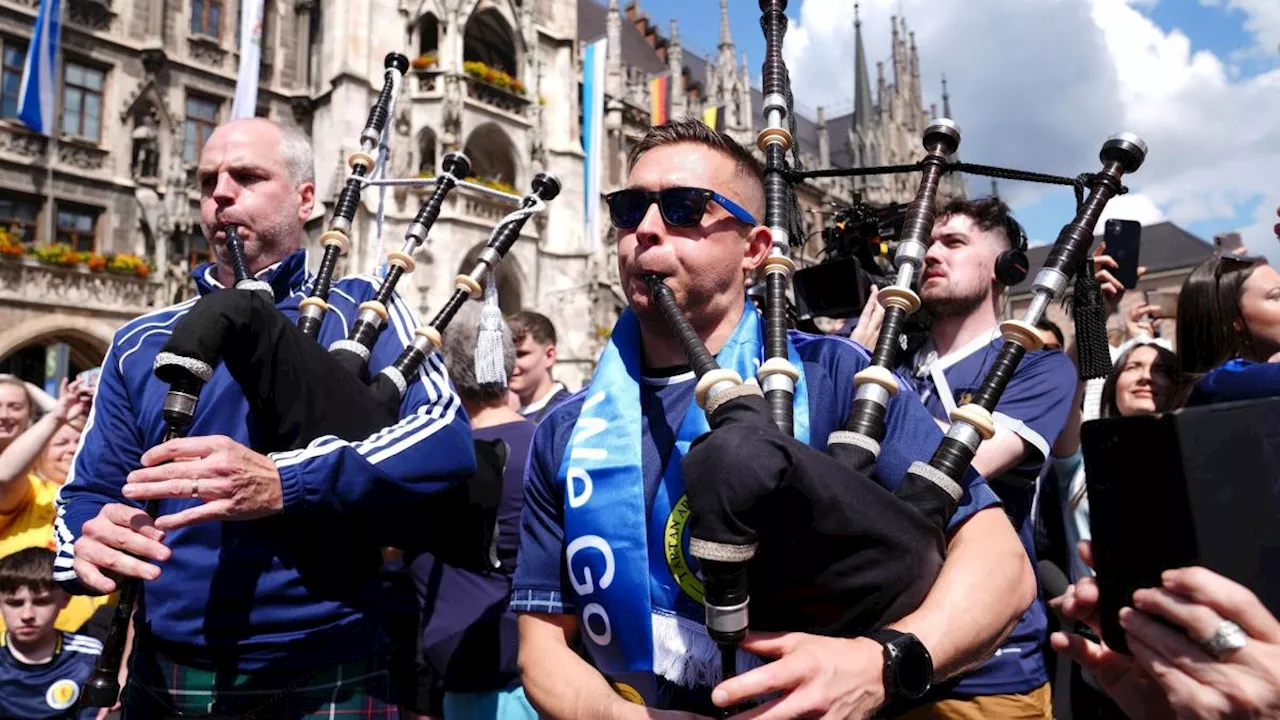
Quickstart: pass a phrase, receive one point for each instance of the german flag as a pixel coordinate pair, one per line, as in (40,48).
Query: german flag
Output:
(659,100)
(714,117)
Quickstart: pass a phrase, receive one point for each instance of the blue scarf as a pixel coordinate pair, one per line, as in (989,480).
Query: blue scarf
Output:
(629,581)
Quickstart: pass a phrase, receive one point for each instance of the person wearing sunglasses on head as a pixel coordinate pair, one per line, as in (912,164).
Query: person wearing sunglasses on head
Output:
(596,568)
(1229,330)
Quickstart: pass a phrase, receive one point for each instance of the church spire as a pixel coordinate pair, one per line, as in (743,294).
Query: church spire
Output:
(861,78)
(946,99)
(675,65)
(726,37)
(613,52)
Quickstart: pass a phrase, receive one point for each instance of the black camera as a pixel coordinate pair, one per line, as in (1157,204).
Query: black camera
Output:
(857,254)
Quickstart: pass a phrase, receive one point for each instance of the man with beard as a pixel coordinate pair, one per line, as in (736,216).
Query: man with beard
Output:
(261,592)
(975,254)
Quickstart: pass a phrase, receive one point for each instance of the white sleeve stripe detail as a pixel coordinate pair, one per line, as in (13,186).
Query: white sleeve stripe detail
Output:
(391,440)
(424,423)
(183,307)
(1021,429)
(125,356)
(411,440)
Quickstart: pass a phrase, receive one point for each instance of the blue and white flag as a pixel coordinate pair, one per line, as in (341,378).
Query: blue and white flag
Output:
(36,94)
(593,67)
(245,104)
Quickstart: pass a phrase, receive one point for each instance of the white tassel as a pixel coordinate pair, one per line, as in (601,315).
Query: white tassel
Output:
(684,654)
(490,368)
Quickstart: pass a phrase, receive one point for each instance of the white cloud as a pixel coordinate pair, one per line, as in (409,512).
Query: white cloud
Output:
(1039,85)
(1133,206)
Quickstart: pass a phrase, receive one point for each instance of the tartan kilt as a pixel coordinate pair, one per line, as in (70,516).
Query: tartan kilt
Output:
(159,687)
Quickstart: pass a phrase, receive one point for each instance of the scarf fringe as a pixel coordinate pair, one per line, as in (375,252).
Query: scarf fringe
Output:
(684,654)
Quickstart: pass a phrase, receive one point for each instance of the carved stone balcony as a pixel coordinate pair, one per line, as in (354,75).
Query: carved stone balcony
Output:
(28,282)
(91,14)
(429,81)
(496,97)
(81,154)
(76,154)
(15,139)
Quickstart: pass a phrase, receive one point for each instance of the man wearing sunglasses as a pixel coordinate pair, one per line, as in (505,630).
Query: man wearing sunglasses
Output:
(604,563)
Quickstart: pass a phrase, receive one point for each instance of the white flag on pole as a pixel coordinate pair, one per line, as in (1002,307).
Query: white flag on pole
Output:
(245,104)
(593,135)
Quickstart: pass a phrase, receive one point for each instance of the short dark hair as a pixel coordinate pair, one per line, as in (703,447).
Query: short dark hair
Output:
(694,131)
(988,213)
(31,568)
(529,324)
(1046,324)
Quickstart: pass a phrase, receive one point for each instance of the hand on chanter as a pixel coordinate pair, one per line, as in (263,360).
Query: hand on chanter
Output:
(118,542)
(231,481)
(818,676)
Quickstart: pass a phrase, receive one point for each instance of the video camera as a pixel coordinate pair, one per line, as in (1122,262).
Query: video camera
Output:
(857,254)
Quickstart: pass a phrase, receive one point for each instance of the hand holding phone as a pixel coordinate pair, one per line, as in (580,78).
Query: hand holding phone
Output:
(1123,239)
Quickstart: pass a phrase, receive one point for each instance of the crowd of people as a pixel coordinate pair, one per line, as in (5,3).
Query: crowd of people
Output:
(506,550)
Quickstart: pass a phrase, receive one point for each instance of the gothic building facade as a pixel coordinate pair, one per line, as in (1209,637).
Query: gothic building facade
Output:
(144,82)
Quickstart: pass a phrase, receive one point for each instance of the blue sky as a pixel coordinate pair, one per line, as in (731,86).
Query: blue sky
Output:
(1211,26)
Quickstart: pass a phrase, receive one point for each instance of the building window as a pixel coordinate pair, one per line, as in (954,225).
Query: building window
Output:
(206,18)
(202,118)
(198,251)
(82,101)
(11,78)
(19,215)
(76,226)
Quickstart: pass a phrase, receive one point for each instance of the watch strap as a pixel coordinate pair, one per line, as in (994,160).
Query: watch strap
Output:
(884,636)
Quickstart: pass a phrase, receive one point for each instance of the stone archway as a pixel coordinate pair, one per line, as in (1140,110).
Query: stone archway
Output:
(86,339)
(492,155)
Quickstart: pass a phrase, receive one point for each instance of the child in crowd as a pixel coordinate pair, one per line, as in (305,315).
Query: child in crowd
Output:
(42,669)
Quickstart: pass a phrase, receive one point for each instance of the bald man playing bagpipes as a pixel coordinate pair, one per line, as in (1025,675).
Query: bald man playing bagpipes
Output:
(261,568)
(605,561)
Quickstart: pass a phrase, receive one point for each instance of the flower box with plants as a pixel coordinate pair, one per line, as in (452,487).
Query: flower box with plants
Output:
(424,62)
(11,246)
(493,76)
(128,265)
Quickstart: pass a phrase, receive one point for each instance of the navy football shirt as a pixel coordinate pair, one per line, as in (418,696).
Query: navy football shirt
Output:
(1034,406)
(52,689)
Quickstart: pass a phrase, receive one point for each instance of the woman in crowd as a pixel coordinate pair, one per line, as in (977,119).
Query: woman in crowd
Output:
(1229,330)
(1144,380)
(26,499)
(35,458)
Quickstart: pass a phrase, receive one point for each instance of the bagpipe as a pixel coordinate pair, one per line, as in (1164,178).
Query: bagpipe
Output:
(806,540)
(297,390)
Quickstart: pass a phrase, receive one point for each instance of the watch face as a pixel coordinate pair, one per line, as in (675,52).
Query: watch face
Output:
(915,669)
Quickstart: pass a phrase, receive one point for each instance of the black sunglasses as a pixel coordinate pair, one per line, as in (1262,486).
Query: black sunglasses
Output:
(679,206)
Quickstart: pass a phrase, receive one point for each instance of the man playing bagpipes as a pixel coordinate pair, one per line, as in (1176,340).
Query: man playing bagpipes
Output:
(261,592)
(604,558)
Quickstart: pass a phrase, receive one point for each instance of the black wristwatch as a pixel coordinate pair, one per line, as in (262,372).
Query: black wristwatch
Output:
(908,667)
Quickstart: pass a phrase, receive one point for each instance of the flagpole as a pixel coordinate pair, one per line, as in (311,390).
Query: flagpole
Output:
(55,130)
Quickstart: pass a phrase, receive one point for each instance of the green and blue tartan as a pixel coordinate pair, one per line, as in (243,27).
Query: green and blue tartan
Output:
(159,687)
